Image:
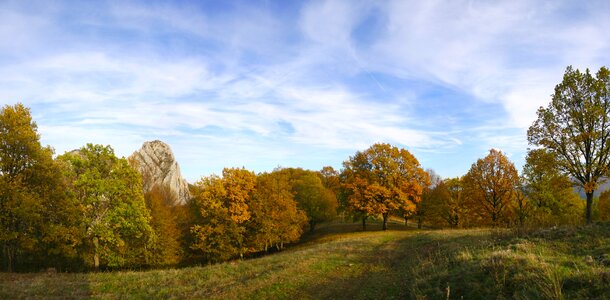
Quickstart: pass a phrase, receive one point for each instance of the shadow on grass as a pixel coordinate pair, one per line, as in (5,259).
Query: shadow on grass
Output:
(473,264)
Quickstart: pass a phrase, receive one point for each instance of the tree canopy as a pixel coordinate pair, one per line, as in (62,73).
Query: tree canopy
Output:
(490,185)
(383,180)
(575,126)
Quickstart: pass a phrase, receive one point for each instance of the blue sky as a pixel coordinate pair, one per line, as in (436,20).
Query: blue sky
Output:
(262,84)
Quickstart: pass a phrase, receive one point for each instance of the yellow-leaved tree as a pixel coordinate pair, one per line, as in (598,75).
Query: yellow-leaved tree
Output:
(276,220)
(224,207)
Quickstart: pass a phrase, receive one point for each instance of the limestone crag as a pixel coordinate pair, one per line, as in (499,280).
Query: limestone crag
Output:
(156,162)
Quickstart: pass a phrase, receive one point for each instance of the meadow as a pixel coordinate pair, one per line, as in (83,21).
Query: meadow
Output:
(342,261)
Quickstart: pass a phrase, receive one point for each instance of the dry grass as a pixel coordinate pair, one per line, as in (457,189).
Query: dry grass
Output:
(342,262)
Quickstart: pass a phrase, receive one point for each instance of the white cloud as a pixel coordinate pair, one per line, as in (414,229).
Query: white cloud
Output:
(245,84)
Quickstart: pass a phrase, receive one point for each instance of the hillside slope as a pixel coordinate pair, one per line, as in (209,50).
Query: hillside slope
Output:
(476,264)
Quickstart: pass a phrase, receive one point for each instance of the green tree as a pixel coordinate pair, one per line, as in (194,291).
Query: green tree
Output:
(576,128)
(115,218)
(490,186)
(318,202)
(383,180)
(550,192)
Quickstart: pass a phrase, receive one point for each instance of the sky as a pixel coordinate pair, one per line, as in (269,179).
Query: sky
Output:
(263,84)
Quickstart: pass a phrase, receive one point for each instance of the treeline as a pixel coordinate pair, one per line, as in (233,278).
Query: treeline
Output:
(86,209)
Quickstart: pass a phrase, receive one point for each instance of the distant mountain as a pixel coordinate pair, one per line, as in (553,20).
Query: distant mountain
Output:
(602,187)
(156,162)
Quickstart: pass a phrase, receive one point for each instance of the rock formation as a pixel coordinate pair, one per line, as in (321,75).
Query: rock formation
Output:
(156,162)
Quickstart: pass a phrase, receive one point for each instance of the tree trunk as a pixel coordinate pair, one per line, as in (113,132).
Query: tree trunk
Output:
(96,255)
(364,223)
(9,252)
(385,221)
(420,220)
(312,226)
(589,205)
(406,221)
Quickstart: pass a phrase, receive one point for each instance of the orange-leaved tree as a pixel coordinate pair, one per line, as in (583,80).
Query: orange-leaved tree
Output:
(383,180)
(490,186)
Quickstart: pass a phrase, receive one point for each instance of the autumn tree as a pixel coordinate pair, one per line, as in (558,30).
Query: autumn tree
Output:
(444,206)
(522,206)
(36,218)
(383,180)
(115,218)
(455,210)
(224,204)
(160,202)
(424,208)
(276,219)
(330,179)
(490,186)
(603,206)
(550,192)
(576,128)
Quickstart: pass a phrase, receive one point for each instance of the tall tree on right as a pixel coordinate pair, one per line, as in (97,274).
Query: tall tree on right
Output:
(576,127)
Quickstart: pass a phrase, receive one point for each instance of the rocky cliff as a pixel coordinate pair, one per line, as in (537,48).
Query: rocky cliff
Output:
(156,162)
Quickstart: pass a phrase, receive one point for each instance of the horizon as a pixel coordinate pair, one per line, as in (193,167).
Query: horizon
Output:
(299,84)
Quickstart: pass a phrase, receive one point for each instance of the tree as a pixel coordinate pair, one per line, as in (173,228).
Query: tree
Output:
(276,219)
(576,128)
(444,204)
(318,202)
(160,202)
(36,218)
(115,218)
(224,205)
(521,204)
(490,186)
(455,210)
(383,180)
(604,206)
(423,208)
(549,191)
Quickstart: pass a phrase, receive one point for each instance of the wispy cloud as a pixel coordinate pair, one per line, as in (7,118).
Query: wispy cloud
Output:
(302,84)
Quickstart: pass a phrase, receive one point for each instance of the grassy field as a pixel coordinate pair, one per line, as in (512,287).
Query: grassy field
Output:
(340,261)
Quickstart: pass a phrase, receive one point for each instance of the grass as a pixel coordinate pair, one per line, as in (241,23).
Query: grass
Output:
(340,261)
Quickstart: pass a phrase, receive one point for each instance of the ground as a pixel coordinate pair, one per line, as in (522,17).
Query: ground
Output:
(341,261)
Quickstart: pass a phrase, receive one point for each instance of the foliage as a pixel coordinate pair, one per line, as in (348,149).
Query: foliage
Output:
(276,219)
(549,191)
(36,217)
(489,187)
(311,195)
(224,205)
(115,218)
(383,180)
(576,128)
(160,202)
(603,206)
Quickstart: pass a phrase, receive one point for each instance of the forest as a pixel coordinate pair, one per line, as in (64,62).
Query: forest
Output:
(86,210)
